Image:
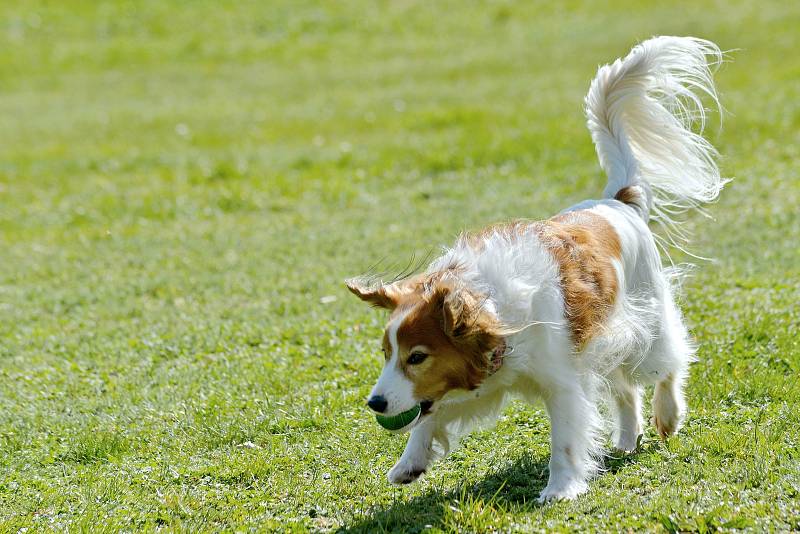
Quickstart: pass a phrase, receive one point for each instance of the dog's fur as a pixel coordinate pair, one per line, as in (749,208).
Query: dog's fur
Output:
(578,306)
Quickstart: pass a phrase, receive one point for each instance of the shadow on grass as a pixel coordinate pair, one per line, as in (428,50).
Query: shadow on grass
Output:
(518,484)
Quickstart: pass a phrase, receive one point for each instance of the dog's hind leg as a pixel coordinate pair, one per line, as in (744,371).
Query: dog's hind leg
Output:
(669,405)
(627,408)
(667,364)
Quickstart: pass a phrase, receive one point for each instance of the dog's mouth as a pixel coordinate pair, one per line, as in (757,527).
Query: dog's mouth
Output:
(426,406)
(407,420)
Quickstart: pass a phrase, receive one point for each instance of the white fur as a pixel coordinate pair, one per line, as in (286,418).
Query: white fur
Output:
(639,110)
(393,385)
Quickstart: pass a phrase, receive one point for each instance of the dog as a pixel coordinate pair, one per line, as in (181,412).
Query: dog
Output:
(576,310)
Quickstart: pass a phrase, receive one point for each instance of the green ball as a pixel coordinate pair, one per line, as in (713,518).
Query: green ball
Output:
(396,422)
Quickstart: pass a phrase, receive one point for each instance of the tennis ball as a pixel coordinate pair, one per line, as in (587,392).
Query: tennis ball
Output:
(399,421)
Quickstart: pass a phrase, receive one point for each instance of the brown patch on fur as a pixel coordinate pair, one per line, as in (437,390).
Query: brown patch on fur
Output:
(384,295)
(635,197)
(459,334)
(627,195)
(584,244)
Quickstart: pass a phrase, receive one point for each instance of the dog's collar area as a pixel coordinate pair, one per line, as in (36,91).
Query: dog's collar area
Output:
(496,360)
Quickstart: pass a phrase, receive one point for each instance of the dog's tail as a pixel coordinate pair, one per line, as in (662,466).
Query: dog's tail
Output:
(641,111)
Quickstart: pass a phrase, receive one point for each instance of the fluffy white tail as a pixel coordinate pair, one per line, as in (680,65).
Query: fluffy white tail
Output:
(641,111)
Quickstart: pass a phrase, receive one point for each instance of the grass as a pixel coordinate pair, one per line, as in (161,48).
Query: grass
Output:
(184,185)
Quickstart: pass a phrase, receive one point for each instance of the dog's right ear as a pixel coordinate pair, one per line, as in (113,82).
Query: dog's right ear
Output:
(375,294)
(383,295)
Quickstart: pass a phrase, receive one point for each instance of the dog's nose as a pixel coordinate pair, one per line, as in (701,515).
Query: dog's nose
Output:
(377,403)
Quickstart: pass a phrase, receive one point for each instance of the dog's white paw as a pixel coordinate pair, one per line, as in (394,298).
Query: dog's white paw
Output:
(625,444)
(566,491)
(405,472)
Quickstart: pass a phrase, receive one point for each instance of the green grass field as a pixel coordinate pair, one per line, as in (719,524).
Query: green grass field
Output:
(184,186)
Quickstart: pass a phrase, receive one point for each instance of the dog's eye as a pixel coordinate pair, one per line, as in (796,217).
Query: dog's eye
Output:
(416,358)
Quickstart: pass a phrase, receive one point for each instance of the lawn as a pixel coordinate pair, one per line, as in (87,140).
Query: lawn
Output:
(184,186)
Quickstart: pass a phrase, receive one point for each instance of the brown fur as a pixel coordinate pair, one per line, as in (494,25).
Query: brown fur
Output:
(584,245)
(458,334)
(627,195)
(636,197)
(385,295)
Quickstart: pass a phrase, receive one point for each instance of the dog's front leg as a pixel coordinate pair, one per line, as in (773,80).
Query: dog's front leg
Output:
(417,456)
(574,422)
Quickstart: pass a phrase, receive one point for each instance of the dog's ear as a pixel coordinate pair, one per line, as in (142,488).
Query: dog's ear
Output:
(378,295)
(467,321)
(384,295)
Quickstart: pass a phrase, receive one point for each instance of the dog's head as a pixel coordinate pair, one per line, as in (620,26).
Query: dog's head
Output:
(439,338)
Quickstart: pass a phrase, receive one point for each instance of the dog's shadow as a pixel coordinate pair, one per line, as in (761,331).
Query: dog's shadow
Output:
(517,484)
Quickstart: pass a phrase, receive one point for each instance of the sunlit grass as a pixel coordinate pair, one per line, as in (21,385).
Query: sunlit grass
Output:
(185,185)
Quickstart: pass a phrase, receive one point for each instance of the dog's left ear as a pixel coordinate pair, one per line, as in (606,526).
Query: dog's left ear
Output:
(383,295)
(467,322)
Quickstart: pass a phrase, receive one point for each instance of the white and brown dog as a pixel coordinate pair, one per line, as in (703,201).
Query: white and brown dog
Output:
(576,309)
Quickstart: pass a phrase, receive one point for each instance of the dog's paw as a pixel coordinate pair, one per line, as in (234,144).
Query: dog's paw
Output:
(666,425)
(563,491)
(624,446)
(404,473)
(668,408)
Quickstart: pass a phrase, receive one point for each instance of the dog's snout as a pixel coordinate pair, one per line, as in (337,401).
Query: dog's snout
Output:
(377,403)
